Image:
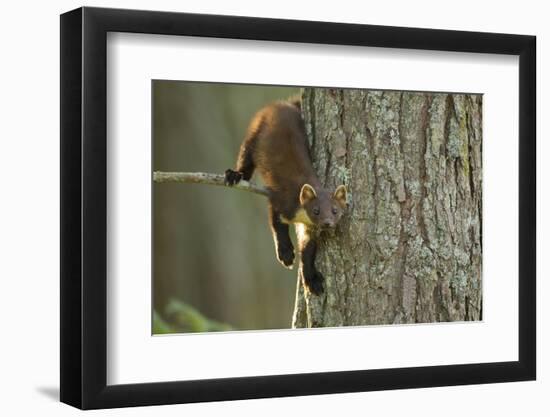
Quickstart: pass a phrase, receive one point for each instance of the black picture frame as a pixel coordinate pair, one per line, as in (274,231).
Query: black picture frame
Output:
(84,207)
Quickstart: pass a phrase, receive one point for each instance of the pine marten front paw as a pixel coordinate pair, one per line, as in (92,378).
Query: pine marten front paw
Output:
(232,177)
(315,283)
(285,255)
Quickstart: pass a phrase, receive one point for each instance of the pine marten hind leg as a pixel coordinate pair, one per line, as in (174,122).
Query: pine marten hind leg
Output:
(245,164)
(283,245)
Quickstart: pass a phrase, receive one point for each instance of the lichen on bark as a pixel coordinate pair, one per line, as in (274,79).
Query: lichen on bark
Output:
(409,248)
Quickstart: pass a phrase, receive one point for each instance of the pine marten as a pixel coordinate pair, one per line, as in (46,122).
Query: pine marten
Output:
(276,145)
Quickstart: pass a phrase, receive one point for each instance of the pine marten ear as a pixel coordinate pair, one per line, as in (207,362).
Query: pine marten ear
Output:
(341,195)
(307,193)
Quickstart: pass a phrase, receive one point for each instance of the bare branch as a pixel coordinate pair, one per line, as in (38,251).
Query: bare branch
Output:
(206,178)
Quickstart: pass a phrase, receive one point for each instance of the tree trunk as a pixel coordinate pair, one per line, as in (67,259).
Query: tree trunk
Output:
(409,248)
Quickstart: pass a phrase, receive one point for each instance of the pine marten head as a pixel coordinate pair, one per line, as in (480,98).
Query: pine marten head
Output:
(323,207)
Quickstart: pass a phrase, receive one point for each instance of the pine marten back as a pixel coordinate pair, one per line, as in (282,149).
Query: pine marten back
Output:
(276,146)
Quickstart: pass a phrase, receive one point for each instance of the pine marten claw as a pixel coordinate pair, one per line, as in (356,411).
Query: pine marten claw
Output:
(232,177)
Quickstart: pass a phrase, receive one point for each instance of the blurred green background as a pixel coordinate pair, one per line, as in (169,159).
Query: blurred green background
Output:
(214,264)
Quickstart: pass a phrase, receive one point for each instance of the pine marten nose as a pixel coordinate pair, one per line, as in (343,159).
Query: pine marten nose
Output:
(328,223)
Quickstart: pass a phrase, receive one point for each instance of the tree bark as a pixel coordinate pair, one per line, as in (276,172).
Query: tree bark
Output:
(409,248)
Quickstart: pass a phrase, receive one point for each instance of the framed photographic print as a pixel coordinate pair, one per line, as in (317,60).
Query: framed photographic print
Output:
(257,208)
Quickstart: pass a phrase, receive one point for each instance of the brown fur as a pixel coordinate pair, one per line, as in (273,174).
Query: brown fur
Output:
(281,156)
(276,146)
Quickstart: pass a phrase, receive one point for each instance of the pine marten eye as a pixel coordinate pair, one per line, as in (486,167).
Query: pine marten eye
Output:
(334,210)
(316,211)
